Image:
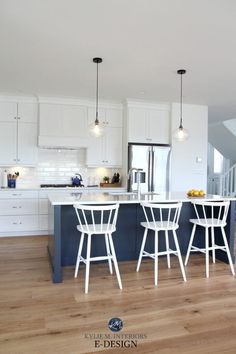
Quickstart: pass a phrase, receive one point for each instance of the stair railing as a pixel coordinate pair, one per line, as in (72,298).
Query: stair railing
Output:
(228,182)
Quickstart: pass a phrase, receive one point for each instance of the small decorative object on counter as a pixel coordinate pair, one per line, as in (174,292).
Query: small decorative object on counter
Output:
(4,181)
(76,180)
(196,193)
(11,179)
(115,181)
(106,179)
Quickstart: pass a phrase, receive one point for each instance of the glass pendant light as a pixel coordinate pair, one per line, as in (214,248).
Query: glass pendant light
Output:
(181,134)
(96,129)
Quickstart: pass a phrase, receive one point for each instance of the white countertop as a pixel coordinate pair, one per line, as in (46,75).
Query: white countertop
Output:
(71,197)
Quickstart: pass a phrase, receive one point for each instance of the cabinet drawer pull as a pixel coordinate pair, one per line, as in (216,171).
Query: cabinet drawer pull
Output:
(14,223)
(16,194)
(14,207)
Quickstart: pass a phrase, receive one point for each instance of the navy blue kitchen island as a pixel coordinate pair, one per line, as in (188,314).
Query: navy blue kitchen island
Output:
(64,237)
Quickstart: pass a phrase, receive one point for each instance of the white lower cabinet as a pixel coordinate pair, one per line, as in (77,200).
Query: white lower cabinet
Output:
(19,213)
(18,223)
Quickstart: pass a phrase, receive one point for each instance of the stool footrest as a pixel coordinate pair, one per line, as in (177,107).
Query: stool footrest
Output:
(203,250)
(164,253)
(94,259)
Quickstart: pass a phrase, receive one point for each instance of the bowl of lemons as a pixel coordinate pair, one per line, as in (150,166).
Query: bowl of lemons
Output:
(193,193)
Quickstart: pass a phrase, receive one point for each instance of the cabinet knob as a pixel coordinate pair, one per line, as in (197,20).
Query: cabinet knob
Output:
(15,117)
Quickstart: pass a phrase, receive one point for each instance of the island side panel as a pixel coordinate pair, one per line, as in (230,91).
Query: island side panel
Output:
(54,243)
(230,234)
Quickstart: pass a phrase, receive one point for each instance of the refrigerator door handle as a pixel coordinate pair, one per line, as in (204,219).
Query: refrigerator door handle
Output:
(149,170)
(152,171)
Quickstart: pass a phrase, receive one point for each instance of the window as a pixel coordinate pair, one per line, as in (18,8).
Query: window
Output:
(218,161)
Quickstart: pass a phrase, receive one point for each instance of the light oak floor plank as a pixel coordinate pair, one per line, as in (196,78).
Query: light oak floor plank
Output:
(39,317)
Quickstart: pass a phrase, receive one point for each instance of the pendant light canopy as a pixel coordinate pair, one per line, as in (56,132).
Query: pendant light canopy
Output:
(96,129)
(181,134)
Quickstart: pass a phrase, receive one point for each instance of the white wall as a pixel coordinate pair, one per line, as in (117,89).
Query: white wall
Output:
(186,172)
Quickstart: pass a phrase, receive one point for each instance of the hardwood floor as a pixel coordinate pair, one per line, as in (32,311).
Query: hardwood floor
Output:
(39,317)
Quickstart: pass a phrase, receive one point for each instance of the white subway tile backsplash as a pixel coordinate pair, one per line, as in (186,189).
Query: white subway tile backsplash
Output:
(58,167)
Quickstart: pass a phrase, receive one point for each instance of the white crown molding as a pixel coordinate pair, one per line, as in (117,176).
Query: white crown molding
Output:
(17,98)
(134,103)
(80,102)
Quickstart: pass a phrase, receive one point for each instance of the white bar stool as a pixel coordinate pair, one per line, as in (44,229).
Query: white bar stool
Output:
(210,215)
(161,217)
(97,220)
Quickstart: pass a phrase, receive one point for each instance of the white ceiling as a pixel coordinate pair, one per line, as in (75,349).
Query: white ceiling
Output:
(47,46)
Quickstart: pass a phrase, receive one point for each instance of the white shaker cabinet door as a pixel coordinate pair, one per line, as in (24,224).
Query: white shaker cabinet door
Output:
(106,150)
(27,112)
(158,126)
(113,147)
(137,125)
(8,111)
(95,151)
(8,148)
(27,143)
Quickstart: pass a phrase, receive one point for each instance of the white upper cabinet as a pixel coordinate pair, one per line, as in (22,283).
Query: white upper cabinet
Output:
(109,117)
(63,125)
(18,133)
(107,150)
(148,125)
(8,111)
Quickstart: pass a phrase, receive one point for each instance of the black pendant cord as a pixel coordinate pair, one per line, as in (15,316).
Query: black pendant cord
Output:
(181,72)
(96,121)
(97,61)
(181,102)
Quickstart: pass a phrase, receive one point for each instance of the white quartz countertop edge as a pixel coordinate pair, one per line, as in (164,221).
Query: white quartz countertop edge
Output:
(70,198)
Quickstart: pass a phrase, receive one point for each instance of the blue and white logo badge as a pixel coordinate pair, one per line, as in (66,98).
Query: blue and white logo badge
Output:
(115,324)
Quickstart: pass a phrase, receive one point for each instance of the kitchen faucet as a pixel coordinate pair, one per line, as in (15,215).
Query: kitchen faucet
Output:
(130,176)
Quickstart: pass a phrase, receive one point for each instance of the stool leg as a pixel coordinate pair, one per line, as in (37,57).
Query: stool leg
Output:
(142,249)
(108,253)
(179,255)
(167,248)
(156,259)
(190,244)
(213,245)
(115,260)
(87,263)
(79,254)
(207,251)
(227,250)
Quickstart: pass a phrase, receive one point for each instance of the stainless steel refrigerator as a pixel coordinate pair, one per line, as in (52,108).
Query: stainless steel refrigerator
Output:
(154,160)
